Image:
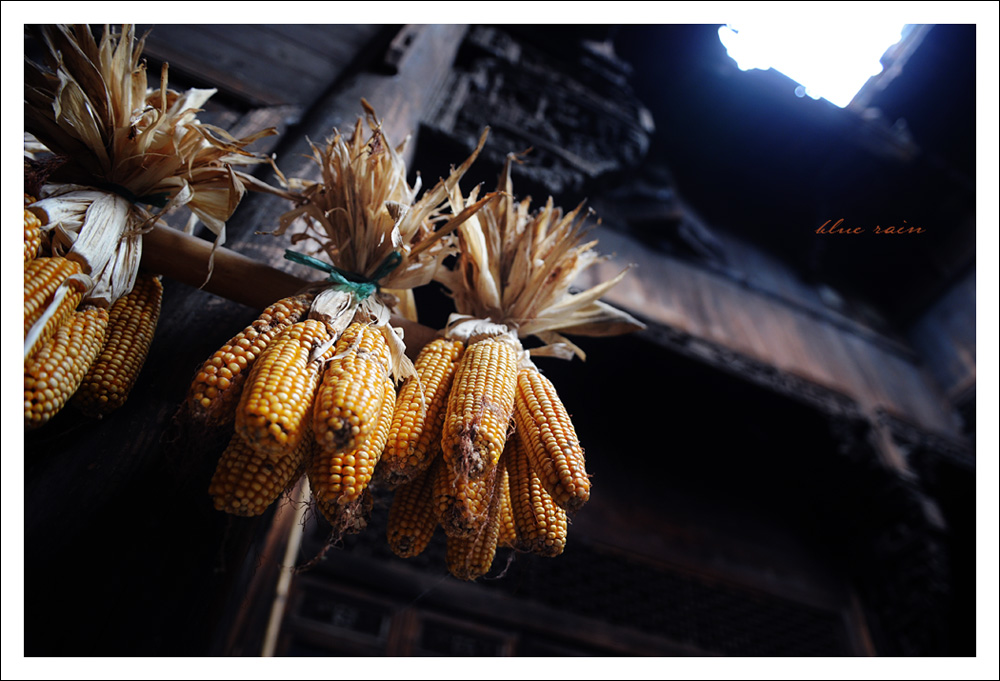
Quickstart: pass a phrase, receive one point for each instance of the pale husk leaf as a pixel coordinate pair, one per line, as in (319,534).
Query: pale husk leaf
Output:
(518,267)
(361,214)
(362,209)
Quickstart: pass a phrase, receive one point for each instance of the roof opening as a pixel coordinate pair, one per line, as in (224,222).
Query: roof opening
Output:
(829,59)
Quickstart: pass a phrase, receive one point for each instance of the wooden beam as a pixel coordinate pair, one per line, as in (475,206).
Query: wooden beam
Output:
(806,347)
(221,271)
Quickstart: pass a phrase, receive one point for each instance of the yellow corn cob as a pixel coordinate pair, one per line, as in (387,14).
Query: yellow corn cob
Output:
(131,325)
(54,373)
(349,397)
(412,521)
(507,536)
(461,504)
(480,406)
(246,482)
(217,386)
(276,404)
(42,277)
(540,523)
(550,440)
(416,424)
(470,557)
(341,477)
(61,306)
(32,233)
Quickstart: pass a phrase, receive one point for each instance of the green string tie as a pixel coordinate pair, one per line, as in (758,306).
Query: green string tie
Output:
(159,199)
(357,285)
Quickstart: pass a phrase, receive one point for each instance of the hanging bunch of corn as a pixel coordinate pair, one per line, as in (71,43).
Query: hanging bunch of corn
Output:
(117,156)
(480,438)
(313,380)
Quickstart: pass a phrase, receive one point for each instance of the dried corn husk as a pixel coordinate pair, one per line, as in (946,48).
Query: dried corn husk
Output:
(130,153)
(517,269)
(366,223)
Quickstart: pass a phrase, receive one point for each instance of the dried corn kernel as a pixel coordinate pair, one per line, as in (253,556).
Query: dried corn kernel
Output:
(349,397)
(218,385)
(480,406)
(276,405)
(415,435)
(54,373)
(131,325)
(550,440)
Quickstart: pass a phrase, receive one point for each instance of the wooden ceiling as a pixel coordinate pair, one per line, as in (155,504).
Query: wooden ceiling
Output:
(757,161)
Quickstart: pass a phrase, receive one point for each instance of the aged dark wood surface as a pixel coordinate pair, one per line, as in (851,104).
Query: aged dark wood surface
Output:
(847,358)
(302,61)
(946,337)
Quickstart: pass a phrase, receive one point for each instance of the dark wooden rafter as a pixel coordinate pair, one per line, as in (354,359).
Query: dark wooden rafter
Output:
(726,359)
(769,334)
(902,563)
